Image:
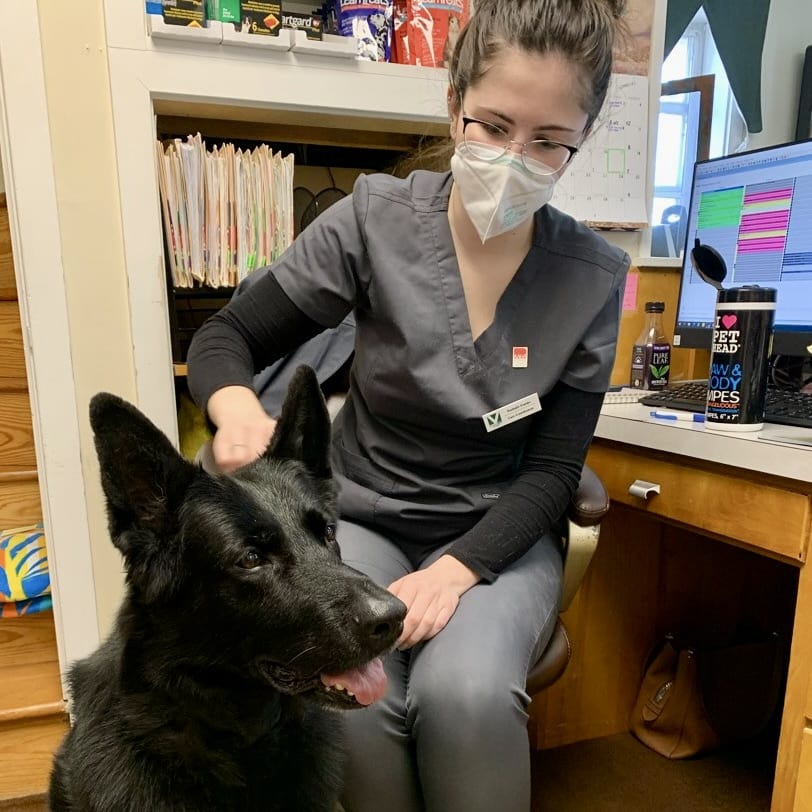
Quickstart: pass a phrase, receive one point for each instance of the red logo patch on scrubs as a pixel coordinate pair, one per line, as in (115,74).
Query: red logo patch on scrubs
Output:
(520,358)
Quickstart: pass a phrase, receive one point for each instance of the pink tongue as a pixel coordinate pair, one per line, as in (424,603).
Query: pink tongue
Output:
(368,682)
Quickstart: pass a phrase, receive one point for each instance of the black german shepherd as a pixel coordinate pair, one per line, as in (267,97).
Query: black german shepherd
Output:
(239,630)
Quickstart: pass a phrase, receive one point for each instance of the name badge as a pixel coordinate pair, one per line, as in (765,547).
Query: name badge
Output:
(511,412)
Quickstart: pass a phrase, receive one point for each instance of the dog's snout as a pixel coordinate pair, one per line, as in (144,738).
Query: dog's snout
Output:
(382,621)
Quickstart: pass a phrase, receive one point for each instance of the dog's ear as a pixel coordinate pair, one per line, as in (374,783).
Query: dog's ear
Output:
(303,430)
(144,480)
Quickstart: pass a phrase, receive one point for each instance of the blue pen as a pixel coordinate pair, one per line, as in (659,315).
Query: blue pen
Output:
(688,417)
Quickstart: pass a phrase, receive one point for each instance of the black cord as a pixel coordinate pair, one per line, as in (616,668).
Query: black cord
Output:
(789,372)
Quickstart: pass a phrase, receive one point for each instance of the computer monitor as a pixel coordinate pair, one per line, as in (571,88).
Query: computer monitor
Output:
(755,209)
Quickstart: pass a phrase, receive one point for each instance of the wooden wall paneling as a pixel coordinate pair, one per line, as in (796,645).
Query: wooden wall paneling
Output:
(803,792)
(8,287)
(662,285)
(13,376)
(680,582)
(32,714)
(20,504)
(793,766)
(30,689)
(26,753)
(713,592)
(611,624)
(16,433)
(30,672)
(23,640)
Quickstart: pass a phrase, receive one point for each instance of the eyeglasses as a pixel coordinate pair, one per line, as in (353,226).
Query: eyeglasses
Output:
(489,142)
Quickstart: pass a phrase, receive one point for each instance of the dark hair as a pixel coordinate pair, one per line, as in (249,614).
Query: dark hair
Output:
(582,31)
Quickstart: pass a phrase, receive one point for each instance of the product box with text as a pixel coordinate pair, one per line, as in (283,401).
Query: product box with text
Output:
(309,23)
(191,13)
(260,17)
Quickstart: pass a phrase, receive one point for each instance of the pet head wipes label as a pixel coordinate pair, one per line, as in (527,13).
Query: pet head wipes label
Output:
(737,379)
(724,381)
(726,334)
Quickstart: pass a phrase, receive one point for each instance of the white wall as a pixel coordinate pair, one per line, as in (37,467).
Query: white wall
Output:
(789,32)
(2,188)
(74,55)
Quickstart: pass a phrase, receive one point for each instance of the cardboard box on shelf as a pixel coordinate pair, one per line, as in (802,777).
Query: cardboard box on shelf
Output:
(311,24)
(190,13)
(260,17)
(228,11)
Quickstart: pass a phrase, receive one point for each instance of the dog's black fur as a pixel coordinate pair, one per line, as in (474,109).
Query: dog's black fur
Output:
(207,695)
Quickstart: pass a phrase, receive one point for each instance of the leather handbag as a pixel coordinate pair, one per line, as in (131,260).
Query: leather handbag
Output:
(695,700)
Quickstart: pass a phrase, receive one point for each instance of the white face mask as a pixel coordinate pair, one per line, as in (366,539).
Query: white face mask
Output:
(498,195)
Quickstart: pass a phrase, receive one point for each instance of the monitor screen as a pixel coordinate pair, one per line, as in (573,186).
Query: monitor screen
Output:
(755,209)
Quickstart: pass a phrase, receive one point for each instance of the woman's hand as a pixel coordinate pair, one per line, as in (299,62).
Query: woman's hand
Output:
(431,597)
(243,428)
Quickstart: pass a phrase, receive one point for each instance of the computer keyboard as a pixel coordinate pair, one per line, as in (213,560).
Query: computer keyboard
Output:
(783,406)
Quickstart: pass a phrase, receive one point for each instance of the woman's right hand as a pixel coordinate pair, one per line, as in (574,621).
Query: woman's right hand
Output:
(244,430)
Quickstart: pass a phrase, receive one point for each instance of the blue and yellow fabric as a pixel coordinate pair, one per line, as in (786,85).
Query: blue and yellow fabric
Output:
(25,583)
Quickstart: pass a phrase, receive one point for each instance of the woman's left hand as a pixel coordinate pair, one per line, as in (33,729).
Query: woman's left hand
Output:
(431,597)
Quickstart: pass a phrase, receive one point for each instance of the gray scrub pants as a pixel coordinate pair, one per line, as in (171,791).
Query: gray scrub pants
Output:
(451,733)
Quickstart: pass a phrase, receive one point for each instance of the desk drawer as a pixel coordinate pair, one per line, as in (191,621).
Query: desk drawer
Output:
(730,503)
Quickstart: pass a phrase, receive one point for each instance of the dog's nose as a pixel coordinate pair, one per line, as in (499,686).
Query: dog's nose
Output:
(383,620)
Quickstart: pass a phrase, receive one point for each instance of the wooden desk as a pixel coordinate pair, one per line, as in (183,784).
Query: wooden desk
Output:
(658,568)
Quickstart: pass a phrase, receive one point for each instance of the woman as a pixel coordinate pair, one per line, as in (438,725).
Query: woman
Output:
(486,330)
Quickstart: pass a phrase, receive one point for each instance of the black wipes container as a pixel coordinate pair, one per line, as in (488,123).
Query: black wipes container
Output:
(740,354)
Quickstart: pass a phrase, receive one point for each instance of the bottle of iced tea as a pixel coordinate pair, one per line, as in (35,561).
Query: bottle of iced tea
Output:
(651,353)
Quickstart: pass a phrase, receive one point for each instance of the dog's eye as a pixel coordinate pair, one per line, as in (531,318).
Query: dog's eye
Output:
(250,560)
(330,534)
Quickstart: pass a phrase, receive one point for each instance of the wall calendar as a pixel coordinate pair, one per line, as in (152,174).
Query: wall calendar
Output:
(605,185)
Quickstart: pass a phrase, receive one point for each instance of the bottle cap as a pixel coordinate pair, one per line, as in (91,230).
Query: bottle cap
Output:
(655,307)
(747,293)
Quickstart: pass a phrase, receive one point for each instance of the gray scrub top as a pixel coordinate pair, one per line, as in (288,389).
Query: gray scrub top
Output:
(411,451)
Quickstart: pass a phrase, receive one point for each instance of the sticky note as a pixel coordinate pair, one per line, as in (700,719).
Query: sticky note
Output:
(630,293)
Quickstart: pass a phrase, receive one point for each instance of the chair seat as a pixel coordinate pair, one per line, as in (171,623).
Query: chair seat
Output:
(552,663)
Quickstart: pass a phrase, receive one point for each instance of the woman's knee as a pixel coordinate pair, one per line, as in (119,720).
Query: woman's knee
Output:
(471,702)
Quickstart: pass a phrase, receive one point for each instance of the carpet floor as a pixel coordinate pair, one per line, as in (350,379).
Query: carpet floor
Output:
(619,774)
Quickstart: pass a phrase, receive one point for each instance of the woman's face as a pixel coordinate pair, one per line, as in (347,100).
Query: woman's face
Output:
(529,96)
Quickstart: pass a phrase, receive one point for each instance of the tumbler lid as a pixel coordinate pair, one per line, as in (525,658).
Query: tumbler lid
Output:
(747,293)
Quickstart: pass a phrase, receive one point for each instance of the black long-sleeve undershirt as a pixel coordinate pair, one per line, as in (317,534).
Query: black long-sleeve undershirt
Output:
(256,328)
(547,479)
(262,325)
